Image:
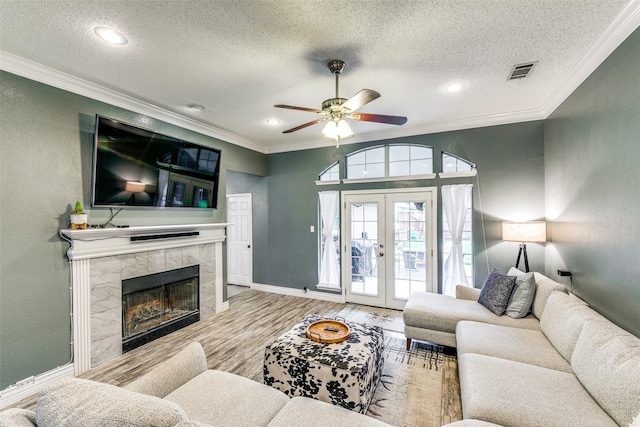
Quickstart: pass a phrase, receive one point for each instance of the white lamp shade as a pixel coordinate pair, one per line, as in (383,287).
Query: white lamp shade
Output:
(134,187)
(530,231)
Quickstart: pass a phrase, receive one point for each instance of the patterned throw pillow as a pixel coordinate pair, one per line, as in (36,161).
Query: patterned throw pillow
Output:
(496,292)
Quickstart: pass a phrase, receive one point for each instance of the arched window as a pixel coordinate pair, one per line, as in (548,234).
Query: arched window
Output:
(407,160)
(451,163)
(390,162)
(332,173)
(367,163)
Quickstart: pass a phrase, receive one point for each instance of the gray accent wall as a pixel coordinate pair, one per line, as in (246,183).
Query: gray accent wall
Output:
(592,151)
(578,169)
(509,186)
(46,147)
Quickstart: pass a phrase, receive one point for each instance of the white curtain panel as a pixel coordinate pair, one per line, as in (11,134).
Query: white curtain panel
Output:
(329,268)
(456,201)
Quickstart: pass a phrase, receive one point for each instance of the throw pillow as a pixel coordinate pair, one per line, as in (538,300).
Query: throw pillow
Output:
(16,417)
(496,292)
(75,402)
(514,272)
(522,296)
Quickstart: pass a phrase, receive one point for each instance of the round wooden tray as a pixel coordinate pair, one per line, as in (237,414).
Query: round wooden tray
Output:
(328,331)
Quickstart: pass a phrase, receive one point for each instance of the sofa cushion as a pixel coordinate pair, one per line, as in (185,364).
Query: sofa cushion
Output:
(442,313)
(562,321)
(225,399)
(606,360)
(522,296)
(16,417)
(518,394)
(466,292)
(519,345)
(307,412)
(544,287)
(171,374)
(77,402)
(496,291)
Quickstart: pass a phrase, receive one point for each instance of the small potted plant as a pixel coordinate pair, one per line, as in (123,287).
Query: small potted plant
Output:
(78,218)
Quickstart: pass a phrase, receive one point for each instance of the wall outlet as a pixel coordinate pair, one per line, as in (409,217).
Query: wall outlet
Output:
(312,229)
(26,381)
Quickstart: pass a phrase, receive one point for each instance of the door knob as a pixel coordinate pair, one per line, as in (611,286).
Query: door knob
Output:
(381,253)
(248,246)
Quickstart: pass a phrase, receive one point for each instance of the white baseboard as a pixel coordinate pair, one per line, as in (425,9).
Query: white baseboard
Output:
(323,296)
(33,385)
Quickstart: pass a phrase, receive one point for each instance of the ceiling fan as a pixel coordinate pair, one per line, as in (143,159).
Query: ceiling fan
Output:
(336,110)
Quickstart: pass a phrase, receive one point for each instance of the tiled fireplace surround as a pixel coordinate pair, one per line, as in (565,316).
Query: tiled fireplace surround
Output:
(101,258)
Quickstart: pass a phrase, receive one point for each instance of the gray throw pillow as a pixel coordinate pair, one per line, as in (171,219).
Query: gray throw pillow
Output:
(496,292)
(75,402)
(522,296)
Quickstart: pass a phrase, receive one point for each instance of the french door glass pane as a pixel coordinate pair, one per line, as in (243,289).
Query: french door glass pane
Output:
(364,243)
(410,237)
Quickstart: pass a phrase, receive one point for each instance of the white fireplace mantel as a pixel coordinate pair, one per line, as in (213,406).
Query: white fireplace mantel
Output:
(112,242)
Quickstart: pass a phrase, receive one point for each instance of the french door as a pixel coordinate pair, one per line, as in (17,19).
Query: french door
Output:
(388,245)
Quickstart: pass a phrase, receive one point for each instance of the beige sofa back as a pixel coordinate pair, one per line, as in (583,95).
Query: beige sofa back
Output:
(606,361)
(562,321)
(187,364)
(544,288)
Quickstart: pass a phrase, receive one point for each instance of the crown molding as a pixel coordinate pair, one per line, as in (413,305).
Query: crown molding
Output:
(49,76)
(621,28)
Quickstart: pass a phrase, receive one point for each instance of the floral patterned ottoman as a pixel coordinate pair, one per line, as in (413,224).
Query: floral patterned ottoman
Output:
(344,374)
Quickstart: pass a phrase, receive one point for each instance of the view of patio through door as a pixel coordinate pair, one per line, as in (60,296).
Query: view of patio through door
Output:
(388,247)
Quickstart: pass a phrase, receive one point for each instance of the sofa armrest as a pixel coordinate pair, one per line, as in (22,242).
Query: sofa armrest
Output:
(465,292)
(173,373)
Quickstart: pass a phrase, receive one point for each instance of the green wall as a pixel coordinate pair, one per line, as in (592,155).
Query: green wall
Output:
(46,143)
(592,150)
(510,186)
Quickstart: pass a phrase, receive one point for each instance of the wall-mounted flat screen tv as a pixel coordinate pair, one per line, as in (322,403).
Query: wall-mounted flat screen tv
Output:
(136,167)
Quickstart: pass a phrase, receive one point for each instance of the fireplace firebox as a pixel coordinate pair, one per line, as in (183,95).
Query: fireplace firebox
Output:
(158,304)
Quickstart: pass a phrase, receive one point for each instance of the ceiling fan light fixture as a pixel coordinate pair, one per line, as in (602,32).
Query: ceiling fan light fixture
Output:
(337,129)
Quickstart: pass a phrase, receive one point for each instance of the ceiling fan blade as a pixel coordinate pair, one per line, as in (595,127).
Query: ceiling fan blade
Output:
(311,123)
(360,99)
(379,118)
(291,107)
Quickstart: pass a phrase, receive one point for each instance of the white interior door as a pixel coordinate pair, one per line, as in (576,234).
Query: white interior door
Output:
(388,244)
(239,240)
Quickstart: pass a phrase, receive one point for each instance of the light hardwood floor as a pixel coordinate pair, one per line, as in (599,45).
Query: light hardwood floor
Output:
(233,341)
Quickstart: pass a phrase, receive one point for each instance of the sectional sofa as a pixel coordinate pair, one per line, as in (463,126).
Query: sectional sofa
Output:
(179,392)
(562,365)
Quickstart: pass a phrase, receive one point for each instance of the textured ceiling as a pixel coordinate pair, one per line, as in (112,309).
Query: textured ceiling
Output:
(238,58)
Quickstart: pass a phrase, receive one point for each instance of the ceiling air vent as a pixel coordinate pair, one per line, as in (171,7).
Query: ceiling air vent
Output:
(521,71)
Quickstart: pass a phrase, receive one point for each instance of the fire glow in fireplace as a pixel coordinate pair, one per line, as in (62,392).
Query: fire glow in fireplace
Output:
(158,304)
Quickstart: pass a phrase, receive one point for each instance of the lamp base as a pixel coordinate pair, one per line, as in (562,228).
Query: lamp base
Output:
(523,250)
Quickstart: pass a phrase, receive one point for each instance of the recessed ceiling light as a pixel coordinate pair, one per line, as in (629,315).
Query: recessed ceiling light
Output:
(110,35)
(272,122)
(196,107)
(454,87)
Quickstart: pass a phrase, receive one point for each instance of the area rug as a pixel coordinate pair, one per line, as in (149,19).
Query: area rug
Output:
(413,390)
(390,320)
